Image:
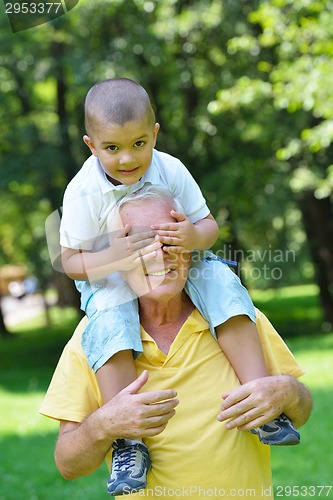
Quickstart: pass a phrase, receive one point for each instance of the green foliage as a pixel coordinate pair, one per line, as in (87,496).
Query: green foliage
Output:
(243,92)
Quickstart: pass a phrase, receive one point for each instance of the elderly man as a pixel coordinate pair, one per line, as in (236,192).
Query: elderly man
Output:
(177,408)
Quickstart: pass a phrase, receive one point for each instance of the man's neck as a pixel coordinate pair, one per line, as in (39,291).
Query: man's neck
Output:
(164,320)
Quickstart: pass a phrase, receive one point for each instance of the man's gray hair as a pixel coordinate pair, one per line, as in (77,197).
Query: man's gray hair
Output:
(149,192)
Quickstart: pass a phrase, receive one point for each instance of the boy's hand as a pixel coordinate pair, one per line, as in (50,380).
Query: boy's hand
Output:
(128,250)
(179,236)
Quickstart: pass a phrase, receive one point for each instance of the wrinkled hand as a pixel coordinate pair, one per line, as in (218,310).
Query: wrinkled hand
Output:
(128,250)
(132,415)
(256,403)
(179,236)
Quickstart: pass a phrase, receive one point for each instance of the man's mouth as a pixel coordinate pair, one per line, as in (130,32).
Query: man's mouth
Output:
(164,272)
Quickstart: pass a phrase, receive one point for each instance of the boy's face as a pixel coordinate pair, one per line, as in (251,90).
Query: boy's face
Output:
(125,152)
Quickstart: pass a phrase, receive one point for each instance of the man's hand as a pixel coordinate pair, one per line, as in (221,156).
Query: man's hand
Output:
(179,236)
(132,415)
(82,446)
(260,401)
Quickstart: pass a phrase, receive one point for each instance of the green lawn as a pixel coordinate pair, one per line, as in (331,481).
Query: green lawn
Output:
(27,439)
(311,463)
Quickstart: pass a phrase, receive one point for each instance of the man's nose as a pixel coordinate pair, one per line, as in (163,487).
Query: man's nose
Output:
(159,254)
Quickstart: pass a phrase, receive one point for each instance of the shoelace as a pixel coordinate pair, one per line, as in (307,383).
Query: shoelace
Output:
(124,459)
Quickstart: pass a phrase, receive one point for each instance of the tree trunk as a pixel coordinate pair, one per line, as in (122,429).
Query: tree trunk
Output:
(68,296)
(318,224)
(69,163)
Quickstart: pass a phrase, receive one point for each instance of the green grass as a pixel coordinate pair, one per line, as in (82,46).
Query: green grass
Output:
(311,463)
(27,439)
(293,310)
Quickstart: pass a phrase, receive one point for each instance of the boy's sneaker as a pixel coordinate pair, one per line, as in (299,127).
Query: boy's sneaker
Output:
(130,464)
(279,431)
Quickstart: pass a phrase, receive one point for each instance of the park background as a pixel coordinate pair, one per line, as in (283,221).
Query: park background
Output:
(244,95)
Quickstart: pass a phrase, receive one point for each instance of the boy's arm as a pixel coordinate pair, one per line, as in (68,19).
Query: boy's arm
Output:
(84,265)
(183,235)
(207,232)
(124,253)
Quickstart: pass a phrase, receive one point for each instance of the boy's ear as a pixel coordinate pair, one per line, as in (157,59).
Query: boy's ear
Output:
(90,144)
(156,129)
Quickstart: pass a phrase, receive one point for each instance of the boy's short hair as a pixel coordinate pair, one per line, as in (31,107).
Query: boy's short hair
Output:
(116,101)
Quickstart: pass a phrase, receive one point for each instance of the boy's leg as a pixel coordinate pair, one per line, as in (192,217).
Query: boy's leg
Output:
(223,301)
(110,340)
(110,329)
(130,458)
(217,291)
(116,374)
(239,340)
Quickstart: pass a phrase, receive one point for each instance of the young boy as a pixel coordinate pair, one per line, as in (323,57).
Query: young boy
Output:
(121,135)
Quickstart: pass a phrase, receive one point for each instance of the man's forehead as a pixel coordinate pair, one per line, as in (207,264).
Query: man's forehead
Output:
(145,213)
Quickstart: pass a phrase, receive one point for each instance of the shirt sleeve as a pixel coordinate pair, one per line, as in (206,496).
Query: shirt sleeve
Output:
(279,359)
(79,227)
(73,393)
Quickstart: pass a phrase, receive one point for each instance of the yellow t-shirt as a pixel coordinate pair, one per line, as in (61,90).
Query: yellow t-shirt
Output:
(195,456)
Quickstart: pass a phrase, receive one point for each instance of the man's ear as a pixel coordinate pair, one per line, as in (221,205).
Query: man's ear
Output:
(90,144)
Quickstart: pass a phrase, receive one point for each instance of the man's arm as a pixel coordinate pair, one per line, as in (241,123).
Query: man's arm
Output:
(81,447)
(260,401)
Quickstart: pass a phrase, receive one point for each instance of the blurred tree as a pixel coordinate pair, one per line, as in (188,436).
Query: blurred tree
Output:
(236,90)
(289,96)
